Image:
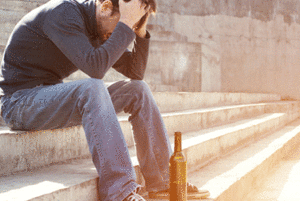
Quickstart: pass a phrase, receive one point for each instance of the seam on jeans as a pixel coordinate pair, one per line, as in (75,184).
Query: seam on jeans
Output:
(97,143)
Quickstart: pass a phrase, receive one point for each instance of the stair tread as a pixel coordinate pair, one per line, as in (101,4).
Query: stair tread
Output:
(28,185)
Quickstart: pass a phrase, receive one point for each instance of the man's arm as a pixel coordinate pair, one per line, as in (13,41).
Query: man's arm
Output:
(133,64)
(65,28)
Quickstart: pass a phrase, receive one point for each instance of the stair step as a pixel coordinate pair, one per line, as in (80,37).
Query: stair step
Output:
(208,117)
(281,183)
(77,179)
(164,88)
(25,150)
(206,145)
(74,181)
(231,177)
(179,101)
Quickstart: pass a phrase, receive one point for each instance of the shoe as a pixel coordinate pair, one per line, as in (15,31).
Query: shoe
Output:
(192,193)
(134,196)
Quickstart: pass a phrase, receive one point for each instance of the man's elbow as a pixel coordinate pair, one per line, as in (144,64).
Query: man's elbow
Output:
(137,77)
(101,76)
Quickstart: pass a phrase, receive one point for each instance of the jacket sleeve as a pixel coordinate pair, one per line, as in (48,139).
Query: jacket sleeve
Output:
(133,64)
(65,27)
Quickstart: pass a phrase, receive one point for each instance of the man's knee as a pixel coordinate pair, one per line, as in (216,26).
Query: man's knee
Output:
(92,85)
(140,86)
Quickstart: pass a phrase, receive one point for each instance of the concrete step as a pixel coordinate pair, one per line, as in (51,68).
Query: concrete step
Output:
(23,6)
(26,150)
(164,88)
(208,117)
(232,177)
(10,16)
(178,101)
(1,51)
(282,182)
(77,179)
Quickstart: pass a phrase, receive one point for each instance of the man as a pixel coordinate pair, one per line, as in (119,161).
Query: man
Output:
(62,36)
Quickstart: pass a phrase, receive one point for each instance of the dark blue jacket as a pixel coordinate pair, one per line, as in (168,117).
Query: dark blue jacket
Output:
(60,37)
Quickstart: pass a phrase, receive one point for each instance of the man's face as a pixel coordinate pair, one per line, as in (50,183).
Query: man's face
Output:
(106,23)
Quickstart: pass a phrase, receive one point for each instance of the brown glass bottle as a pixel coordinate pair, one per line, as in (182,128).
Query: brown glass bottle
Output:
(178,191)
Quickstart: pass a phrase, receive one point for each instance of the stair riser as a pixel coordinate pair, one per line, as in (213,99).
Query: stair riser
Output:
(170,102)
(30,150)
(202,120)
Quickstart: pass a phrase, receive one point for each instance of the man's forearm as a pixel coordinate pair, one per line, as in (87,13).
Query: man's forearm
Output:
(133,64)
(141,32)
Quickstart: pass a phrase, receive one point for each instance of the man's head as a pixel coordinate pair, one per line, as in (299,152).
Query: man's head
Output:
(108,15)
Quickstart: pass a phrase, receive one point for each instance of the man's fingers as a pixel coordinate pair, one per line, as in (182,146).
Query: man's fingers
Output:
(132,11)
(147,8)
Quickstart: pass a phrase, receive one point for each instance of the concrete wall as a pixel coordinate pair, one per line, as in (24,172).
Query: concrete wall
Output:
(175,63)
(247,45)
(213,45)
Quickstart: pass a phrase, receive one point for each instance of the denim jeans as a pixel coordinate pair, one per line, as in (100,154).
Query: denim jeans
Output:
(90,103)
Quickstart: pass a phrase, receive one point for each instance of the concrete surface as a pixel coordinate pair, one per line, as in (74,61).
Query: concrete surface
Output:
(281,183)
(179,101)
(232,177)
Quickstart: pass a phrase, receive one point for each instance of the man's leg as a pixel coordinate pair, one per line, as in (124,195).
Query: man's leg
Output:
(152,142)
(87,102)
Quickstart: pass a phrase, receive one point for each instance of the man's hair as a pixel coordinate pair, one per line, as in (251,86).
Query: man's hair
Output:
(114,5)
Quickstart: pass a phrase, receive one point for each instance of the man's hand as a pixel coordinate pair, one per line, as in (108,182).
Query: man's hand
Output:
(140,26)
(131,12)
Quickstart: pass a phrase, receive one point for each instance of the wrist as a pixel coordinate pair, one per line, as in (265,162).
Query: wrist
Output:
(141,32)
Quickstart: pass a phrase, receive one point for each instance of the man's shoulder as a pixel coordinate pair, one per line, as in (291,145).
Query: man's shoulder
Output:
(57,4)
(61,10)
(50,6)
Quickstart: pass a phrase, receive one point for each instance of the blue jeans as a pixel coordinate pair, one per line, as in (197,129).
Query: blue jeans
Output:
(90,103)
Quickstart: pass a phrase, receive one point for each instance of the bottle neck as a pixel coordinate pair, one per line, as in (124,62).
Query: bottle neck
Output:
(178,147)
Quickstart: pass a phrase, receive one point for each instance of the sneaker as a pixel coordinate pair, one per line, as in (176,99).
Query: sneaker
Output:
(134,196)
(192,193)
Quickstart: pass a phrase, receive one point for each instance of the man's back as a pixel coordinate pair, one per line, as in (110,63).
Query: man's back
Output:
(31,58)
